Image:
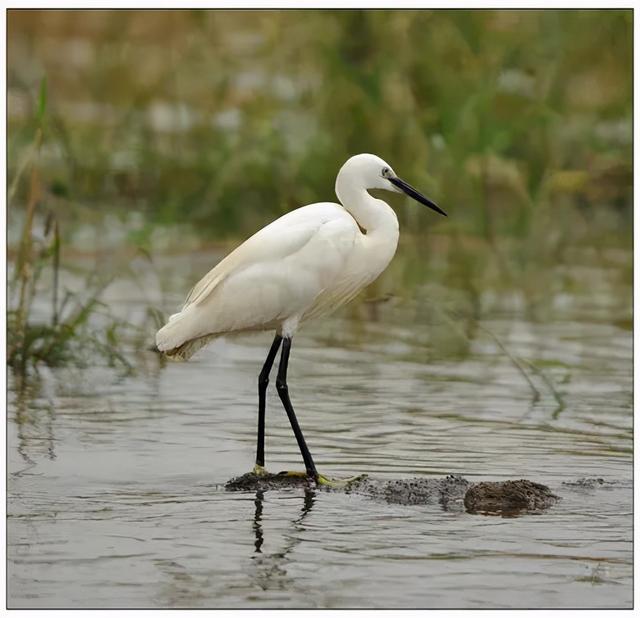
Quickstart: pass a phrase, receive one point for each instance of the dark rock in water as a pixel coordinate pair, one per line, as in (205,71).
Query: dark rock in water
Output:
(448,491)
(263,482)
(508,497)
(453,492)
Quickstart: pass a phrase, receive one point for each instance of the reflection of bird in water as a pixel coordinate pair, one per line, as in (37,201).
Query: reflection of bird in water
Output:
(271,570)
(257,518)
(303,265)
(186,586)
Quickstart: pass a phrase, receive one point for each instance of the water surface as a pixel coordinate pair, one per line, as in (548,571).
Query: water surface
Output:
(116,494)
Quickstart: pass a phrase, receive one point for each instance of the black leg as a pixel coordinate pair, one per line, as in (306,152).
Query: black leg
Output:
(263,382)
(283,391)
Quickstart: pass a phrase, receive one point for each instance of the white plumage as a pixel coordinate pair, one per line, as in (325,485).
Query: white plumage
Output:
(306,263)
(301,266)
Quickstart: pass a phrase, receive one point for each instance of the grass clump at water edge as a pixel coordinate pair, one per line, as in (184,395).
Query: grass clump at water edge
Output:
(65,336)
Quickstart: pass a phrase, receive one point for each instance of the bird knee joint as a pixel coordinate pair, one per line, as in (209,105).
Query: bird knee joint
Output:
(263,381)
(281,385)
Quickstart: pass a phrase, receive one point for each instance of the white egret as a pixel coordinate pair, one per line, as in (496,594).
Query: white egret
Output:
(305,264)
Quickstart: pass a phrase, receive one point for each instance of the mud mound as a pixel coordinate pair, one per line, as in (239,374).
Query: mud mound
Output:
(266,481)
(448,491)
(452,492)
(508,497)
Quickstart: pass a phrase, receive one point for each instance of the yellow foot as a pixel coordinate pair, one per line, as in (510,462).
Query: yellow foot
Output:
(262,471)
(295,473)
(339,483)
(322,480)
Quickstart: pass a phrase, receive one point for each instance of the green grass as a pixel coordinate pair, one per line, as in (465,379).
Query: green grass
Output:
(66,337)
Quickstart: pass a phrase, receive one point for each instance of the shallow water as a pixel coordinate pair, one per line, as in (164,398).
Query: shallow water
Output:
(116,494)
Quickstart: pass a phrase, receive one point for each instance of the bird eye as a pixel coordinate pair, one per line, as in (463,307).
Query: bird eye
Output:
(385,172)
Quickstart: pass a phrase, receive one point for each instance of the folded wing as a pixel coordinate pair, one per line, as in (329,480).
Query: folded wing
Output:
(279,272)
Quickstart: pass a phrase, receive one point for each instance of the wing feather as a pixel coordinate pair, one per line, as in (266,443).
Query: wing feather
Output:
(278,240)
(253,269)
(336,296)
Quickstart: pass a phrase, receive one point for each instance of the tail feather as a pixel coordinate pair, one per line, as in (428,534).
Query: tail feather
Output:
(187,350)
(177,339)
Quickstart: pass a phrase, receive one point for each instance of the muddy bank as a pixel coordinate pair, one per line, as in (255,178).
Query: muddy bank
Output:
(452,492)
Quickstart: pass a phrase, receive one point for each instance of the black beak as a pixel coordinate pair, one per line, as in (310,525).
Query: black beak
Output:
(416,195)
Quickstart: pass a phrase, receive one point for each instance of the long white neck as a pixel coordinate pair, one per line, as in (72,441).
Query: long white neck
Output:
(374,216)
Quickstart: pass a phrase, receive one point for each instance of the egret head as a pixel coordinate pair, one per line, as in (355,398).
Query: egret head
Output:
(370,172)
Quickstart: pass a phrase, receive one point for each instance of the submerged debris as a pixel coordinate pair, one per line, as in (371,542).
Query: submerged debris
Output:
(452,492)
(587,483)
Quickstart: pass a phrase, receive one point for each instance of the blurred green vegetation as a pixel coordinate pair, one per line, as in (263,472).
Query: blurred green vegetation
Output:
(518,122)
(169,129)
(136,135)
(65,335)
